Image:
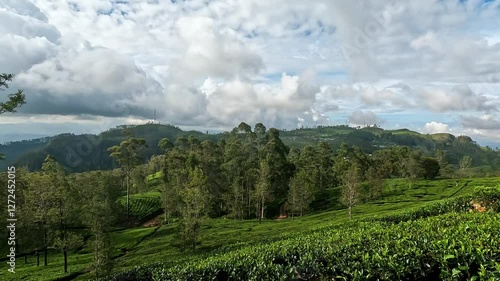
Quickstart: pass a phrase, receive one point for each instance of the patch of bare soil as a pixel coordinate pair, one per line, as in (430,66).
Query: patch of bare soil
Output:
(154,222)
(478,207)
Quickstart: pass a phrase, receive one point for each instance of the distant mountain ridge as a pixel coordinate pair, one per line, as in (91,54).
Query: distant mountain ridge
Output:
(79,153)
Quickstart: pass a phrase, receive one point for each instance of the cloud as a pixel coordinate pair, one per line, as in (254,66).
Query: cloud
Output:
(358,118)
(436,127)
(211,52)
(73,82)
(485,122)
(458,98)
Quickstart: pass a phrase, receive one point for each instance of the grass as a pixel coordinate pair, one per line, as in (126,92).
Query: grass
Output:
(142,245)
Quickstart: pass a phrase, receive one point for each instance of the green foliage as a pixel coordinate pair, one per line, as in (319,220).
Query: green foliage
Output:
(194,207)
(127,155)
(369,140)
(439,247)
(301,193)
(430,168)
(14,100)
(263,191)
(464,166)
(159,248)
(489,197)
(350,192)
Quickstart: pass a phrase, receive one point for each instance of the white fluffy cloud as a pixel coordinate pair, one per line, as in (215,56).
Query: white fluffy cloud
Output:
(436,127)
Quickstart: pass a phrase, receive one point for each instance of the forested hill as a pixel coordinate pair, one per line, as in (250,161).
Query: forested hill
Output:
(80,153)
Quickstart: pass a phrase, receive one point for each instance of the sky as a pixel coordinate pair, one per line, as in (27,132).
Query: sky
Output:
(85,66)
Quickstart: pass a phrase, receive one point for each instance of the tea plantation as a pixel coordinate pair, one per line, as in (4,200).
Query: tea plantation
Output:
(431,231)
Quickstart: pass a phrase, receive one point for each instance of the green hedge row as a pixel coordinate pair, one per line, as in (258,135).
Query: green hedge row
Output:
(442,241)
(488,197)
(448,247)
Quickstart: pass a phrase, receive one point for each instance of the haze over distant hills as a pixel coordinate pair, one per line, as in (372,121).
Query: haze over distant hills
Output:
(19,137)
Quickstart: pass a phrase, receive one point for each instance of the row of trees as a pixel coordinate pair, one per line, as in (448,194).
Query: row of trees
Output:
(252,174)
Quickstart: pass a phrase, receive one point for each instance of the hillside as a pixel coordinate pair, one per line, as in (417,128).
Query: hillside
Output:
(142,252)
(79,153)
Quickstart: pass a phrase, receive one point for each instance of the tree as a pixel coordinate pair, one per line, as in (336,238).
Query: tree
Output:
(14,100)
(127,155)
(325,164)
(240,165)
(38,215)
(411,166)
(64,208)
(263,189)
(169,187)
(374,177)
(440,156)
(464,166)
(349,196)
(194,207)
(430,167)
(301,192)
(138,179)
(99,205)
(210,162)
(275,152)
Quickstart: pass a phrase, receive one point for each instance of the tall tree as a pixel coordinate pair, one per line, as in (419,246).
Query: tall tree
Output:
(263,189)
(376,182)
(350,193)
(325,163)
(100,205)
(174,176)
(194,206)
(464,166)
(127,155)
(64,208)
(301,192)
(37,212)
(411,166)
(210,163)
(440,156)
(275,152)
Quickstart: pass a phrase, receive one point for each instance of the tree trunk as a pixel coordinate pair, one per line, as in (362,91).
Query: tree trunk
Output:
(63,235)
(37,258)
(262,209)
(194,240)
(45,247)
(128,196)
(350,212)
(65,261)
(320,180)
